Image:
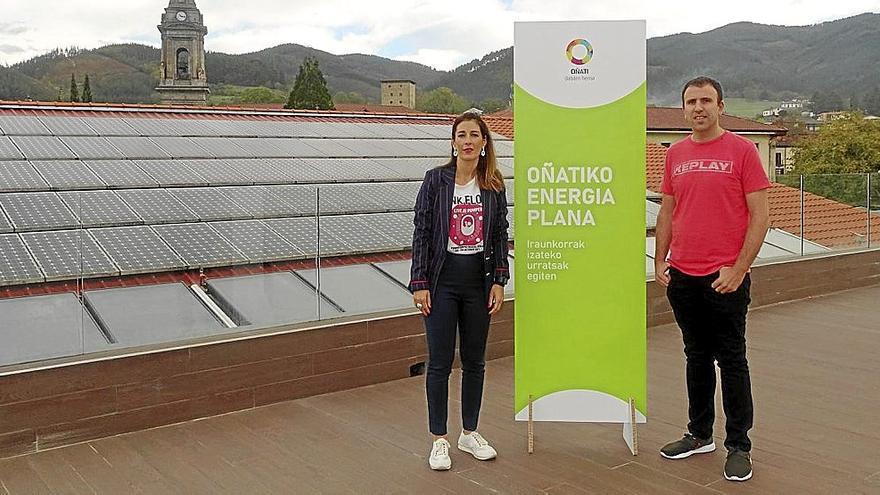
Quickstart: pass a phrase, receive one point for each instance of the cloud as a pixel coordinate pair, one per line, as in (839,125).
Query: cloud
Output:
(402,29)
(10,49)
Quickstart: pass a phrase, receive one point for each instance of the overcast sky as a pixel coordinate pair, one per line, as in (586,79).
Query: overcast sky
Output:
(440,33)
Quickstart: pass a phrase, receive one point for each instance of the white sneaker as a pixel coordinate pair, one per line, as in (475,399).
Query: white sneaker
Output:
(477,446)
(439,460)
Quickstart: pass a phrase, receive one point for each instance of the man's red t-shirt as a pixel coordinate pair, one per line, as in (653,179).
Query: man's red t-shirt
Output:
(710,181)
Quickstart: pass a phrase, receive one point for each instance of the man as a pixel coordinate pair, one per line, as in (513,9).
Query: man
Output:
(712,223)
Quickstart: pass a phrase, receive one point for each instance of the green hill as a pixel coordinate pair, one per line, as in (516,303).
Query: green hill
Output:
(835,59)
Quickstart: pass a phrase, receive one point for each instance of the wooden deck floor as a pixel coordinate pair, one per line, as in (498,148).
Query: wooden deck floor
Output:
(816,381)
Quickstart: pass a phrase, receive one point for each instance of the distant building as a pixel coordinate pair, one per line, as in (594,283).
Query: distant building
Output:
(399,92)
(182,78)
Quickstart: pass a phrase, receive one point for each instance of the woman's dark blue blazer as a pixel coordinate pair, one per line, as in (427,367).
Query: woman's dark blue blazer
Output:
(432,209)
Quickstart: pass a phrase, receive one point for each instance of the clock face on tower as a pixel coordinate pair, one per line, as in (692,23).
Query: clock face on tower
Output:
(181,16)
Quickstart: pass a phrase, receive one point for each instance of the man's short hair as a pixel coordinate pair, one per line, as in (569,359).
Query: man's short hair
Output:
(700,82)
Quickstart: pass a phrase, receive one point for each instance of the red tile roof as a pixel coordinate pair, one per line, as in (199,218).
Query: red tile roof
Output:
(672,119)
(827,222)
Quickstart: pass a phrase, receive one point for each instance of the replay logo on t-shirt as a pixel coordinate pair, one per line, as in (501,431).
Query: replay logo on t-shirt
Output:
(466,220)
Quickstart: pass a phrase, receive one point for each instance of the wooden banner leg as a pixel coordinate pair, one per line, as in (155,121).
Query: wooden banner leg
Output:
(631,429)
(531,428)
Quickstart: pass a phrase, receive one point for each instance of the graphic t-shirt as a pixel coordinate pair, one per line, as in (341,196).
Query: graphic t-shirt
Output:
(710,181)
(466,220)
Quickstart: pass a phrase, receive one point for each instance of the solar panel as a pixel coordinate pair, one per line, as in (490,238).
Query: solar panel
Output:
(297,170)
(394,131)
(67,126)
(411,168)
(216,172)
(68,174)
(504,148)
(134,147)
(137,249)
(348,198)
(181,147)
(99,208)
(201,127)
(329,148)
(505,165)
(358,232)
(257,147)
(359,288)
(23,125)
(109,126)
(437,131)
(16,264)
(365,147)
(152,314)
(510,218)
(421,147)
(257,241)
(171,173)
(301,233)
(20,176)
(398,270)
(290,147)
(8,151)
(300,198)
(42,147)
(393,196)
(259,201)
(273,298)
(154,127)
(37,211)
(397,226)
(199,245)
(91,147)
(209,203)
(259,171)
(351,169)
(221,147)
(5,226)
(157,206)
(46,327)
(120,173)
(347,130)
(64,254)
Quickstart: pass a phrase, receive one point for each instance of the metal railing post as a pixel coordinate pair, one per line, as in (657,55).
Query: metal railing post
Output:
(802,214)
(318,250)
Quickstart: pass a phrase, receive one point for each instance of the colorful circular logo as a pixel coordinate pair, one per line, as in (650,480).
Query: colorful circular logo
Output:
(585,54)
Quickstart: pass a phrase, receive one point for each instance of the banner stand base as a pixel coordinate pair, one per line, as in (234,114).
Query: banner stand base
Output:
(630,428)
(531,428)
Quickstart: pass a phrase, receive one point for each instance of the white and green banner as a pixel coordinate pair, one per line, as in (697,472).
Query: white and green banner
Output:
(579,107)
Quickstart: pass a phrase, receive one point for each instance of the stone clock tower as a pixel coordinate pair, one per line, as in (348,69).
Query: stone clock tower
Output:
(182,78)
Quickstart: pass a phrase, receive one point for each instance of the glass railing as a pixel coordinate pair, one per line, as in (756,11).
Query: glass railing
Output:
(92,270)
(831,212)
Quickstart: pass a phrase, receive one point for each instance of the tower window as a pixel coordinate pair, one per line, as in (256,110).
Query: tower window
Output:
(183,64)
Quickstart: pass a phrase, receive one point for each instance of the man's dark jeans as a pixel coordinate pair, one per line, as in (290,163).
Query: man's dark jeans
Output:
(713,327)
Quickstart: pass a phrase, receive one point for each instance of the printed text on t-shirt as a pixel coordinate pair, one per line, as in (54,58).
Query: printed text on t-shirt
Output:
(720,166)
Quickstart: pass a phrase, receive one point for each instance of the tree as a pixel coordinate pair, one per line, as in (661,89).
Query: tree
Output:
(492,105)
(442,100)
(310,88)
(847,145)
(350,97)
(261,94)
(87,91)
(74,91)
(871,101)
(827,102)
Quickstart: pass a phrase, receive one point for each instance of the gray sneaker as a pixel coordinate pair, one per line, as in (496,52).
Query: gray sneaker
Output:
(738,466)
(687,446)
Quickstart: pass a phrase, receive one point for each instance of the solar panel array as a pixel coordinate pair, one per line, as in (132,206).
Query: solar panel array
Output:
(104,195)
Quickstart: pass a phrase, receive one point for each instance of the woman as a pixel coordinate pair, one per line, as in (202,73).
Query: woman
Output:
(459,270)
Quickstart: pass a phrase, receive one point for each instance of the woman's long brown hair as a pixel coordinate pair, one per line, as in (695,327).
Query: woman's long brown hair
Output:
(488,175)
